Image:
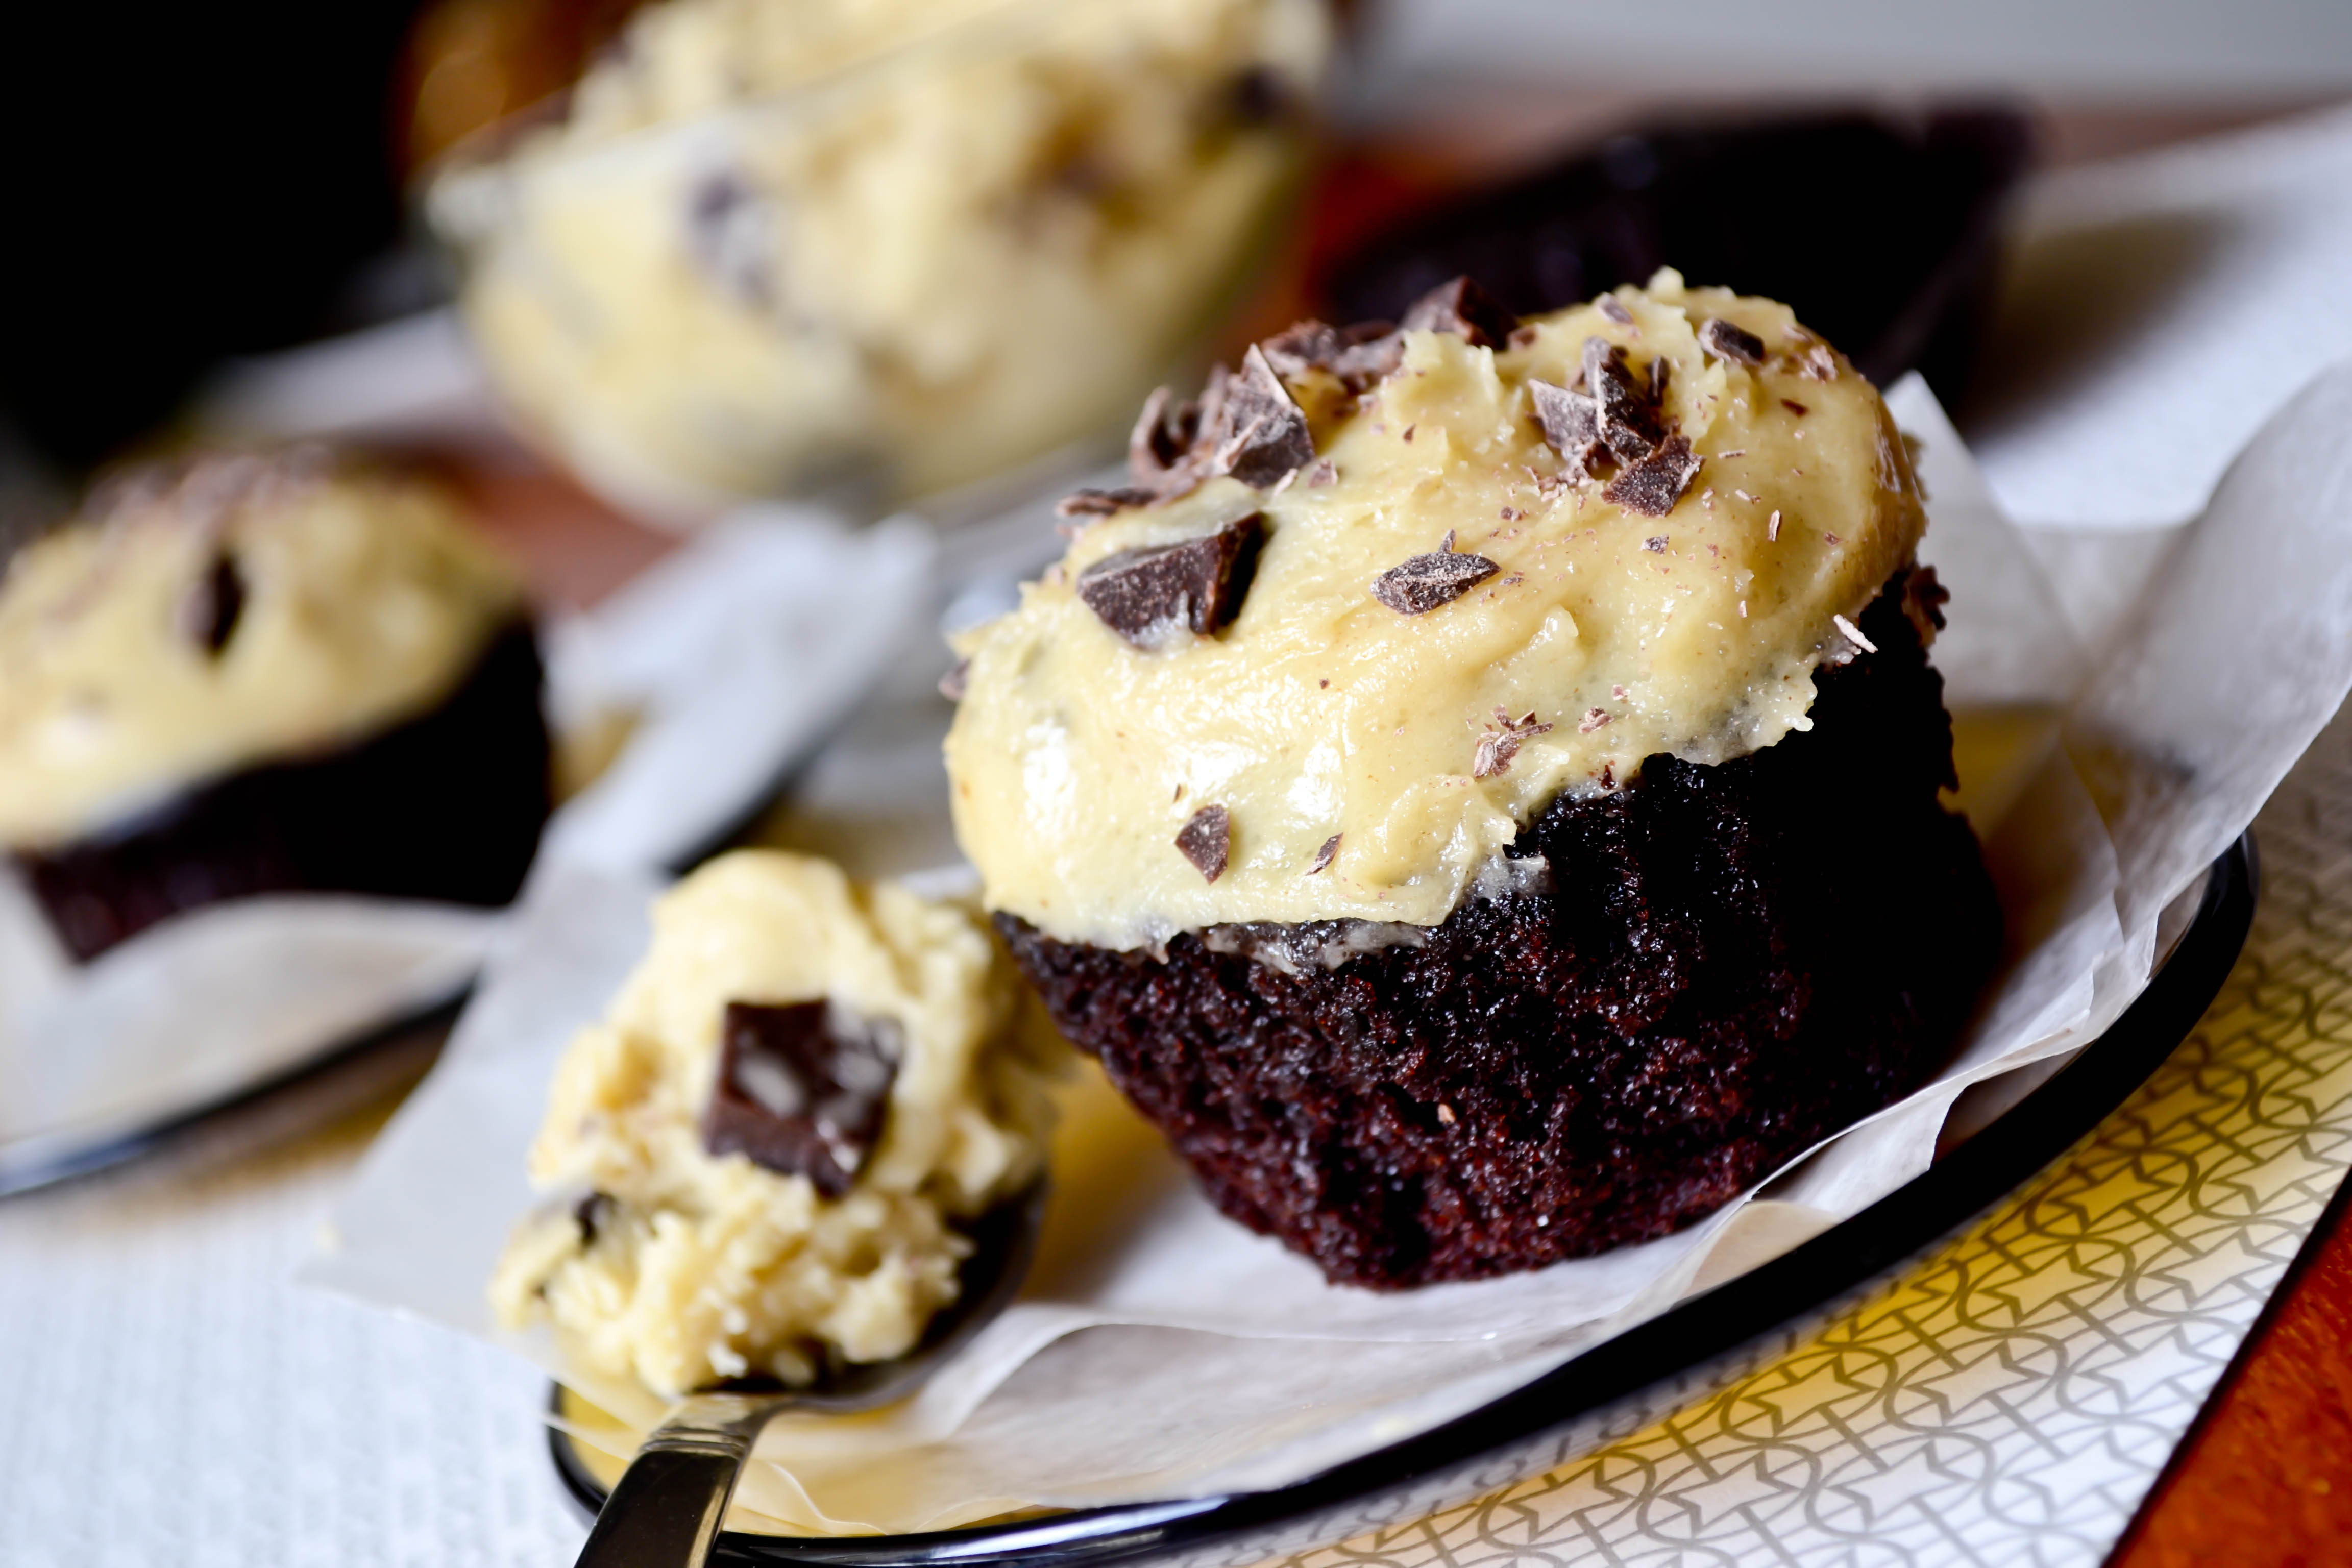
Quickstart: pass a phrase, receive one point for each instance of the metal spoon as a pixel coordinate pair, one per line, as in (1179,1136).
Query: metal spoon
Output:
(665,1511)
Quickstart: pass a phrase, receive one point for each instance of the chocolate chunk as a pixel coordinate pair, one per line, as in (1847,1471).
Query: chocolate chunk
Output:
(1324,857)
(802,1089)
(1425,582)
(1147,594)
(1103,503)
(1614,309)
(1269,436)
(1570,423)
(1653,484)
(1629,424)
(214,601)
(1464,308)
(1724,341)
(1206,840)
(1358,355)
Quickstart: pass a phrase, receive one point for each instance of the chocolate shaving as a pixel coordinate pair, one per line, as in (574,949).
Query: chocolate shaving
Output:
(1502,742)
(1614,309)
(1423,583)
(1653,484)
(1146,596)
(1724,341)
(1464,308)
(1206,840)
(1795,407)
(212,605)
(1358,355)
(802,1089)
(953,683)
(1269,437)
(1655,545)
(1819,363)
(1324,857)
(1594,717)
(1103,503)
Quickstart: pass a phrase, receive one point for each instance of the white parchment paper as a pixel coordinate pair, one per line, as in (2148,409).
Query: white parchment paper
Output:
(1159,1351)
(737,654)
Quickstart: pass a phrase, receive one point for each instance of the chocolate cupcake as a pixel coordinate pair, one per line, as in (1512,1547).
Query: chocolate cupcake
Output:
(249,675)
(1477,789)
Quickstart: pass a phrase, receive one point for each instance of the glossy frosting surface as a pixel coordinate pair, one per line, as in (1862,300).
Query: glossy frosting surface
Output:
(1603,635)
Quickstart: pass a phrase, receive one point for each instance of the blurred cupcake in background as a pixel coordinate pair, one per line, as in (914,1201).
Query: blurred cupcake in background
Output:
(772,246)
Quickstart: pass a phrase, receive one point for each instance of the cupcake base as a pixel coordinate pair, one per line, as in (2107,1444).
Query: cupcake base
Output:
(1713,968)
(447,806)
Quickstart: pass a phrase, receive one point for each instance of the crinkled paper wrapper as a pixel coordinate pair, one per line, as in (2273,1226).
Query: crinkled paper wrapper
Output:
(1161,1352)
(734,658)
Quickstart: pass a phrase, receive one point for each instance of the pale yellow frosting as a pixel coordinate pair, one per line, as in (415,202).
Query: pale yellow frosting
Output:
(927,237)
(365,600)
(1076,757)
(707,1267)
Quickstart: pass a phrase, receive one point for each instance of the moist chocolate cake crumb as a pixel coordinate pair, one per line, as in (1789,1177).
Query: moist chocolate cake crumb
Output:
(1692,1002)
(1724,341)
(1205,840)
(1146,596)
(1423,583)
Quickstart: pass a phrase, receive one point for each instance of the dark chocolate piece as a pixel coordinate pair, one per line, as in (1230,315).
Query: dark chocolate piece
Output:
(208,615)
(1724,341)
(1629,419)
(591,1215)
(1719,973)
(1464,308)
(1103,503)
(802,1089)
(1147,594)
(1614,309)
(1425,582)
(1206,839)
(447,806)
(1358,355)
(1324,857)
(1269,437)
(1653,484)
(1570,422)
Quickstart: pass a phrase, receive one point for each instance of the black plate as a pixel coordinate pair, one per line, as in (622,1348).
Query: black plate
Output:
(1681,1355)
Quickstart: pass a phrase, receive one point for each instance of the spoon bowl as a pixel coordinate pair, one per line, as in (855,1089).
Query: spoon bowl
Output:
(667,1509)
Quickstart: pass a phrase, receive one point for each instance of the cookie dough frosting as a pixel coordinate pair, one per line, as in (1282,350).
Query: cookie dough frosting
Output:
(231,611)
(1496,563)
(932,236)
(745,1210)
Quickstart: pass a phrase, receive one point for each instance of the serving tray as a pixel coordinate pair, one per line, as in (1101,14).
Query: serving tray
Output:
(1683,1355)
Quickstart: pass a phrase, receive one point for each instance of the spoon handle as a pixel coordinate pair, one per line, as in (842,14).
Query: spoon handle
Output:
(666,1511)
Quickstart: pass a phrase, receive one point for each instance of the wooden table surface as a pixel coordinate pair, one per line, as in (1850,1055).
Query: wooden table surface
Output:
(2266,1476)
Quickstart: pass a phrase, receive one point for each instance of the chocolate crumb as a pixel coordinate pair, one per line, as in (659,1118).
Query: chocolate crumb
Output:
(1594,719)
(1147,594)
(1425,582)
(1464,308)
(1724,341)
(953,684)
(1618,692)
(1324,856)
(214,603)
(1614,309)
(1795,407)
(1655,544)
(802,1089)
(1206,840)
(1407,437)
(1521,337)
(1653,484)
(591,1213)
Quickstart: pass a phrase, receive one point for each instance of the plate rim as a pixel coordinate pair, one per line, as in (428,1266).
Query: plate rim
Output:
(1810,1281)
